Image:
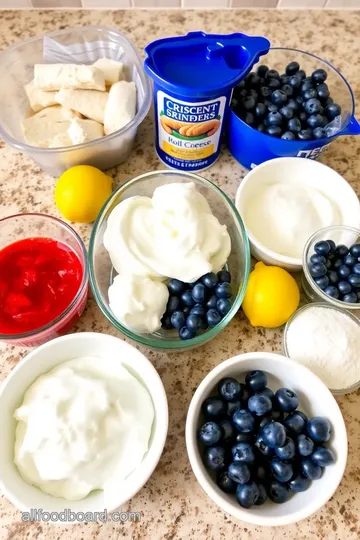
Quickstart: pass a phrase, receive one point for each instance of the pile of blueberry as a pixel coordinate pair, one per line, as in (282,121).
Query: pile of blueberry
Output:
(291,106)
(196,306)
(259,445)
(336,270)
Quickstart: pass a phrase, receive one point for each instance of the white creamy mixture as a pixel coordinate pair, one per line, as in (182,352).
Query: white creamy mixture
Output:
(172,235)
(81,426)
(327,342)
(283,216)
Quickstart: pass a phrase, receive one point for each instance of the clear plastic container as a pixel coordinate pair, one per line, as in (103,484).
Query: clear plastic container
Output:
(83,45)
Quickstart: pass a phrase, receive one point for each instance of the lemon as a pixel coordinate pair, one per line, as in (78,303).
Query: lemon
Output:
(272,296)
(80,193)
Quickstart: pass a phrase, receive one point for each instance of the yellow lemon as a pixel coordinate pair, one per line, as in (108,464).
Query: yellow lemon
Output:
(80,193)
(272,296)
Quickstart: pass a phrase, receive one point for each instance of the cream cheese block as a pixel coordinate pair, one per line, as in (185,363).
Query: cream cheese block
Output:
(112,70)
(90,103)
(120,107)
(57,76)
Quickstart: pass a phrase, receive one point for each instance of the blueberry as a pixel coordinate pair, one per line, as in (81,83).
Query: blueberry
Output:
(355,250)
(322,282)
(296,422)
(305,135)
(210,280)
(294,105)
(173,304)
(243,452)
(247,494)
(253,79)
(266,392)
(229,389)
(274,131)
(281,470)
(342,250)
(185,333)
(287,89)
(262,494)
(256,380)
(224,276)
(176,287)
(294,125)
(178,319)
(187,298)
(336,263)
(332,291)
(317,259)
(274,84)
(287,451)
(350,259)
(272,74)
(166,322)
(350,298)
(332,246)
(265,91)
(244,421)
(292,68)
(213,317)
(319,76)
(312,106)
(263,448)
(278,97)
(319,429)
(274,434)
(323,456)
(239,472)
(223,306)
(287,400)
(210,433)
(193,323)
(199,293)
(278,493)
(323,92)
(316,120)
(198,310)
(294,82)
(249,118)
(262,70)
(322,247)
(354,280)
(299,484)
(214,408)
(211,303)
(301,73)
(214,458)
(274,119)
(344,287)
(245,437)
(356,269)
(223,290)
(284,78)
(225,483)
(248,103)
(305,85)
(319,133)
(288,136)
(333,277)
(259,405)
(332,111)
(344,271)
(287,112)
(310,93)
(310,469)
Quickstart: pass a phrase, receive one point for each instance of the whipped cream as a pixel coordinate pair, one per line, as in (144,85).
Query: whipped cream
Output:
(138,302)
(84,425)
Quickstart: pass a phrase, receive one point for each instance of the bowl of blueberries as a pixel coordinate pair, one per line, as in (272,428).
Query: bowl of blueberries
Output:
(331,264)
(266,439)
(293,103)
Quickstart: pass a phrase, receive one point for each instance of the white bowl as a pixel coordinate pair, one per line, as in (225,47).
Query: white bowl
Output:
(296,170)
(315,400)
(43,359)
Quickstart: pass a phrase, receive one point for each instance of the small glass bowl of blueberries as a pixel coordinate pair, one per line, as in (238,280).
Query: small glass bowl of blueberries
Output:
(289,100)
(331,264)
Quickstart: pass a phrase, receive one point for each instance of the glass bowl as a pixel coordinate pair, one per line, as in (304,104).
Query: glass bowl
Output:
(340,234)
(335,391)
(238,264)
(21,226)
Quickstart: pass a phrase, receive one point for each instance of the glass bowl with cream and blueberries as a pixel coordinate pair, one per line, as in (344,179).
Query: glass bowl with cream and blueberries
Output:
(169,260)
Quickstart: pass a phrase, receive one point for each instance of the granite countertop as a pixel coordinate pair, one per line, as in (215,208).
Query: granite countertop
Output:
(172,503)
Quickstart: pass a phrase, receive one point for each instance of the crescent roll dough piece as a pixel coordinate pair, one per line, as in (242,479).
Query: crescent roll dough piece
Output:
(121,106)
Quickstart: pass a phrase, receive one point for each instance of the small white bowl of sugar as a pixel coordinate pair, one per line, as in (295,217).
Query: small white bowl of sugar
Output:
(326,340)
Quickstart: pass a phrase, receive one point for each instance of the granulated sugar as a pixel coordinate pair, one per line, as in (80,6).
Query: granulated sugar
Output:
(326,341)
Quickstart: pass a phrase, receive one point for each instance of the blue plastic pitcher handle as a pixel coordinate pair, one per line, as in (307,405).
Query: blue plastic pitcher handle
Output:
(353,127)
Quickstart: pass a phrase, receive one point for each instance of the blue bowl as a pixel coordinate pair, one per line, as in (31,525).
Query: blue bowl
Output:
(251,147)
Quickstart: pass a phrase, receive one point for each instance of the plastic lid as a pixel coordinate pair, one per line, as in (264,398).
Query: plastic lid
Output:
(199,64)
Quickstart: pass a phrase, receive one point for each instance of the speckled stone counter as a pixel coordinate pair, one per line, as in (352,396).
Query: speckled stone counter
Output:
(172,503)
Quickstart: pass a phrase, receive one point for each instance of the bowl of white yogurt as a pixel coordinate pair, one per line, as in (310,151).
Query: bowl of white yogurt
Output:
(84,422)
(162,226)
(284,201)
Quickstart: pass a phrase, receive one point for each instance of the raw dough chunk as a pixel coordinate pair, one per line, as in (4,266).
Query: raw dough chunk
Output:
(38,98)
(81,131)
(58,76)
(90,103)
(121,106)
(42,128)
(61,139)
(113,71)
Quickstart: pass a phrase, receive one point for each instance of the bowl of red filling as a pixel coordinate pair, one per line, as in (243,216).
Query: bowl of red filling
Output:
(43,278)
